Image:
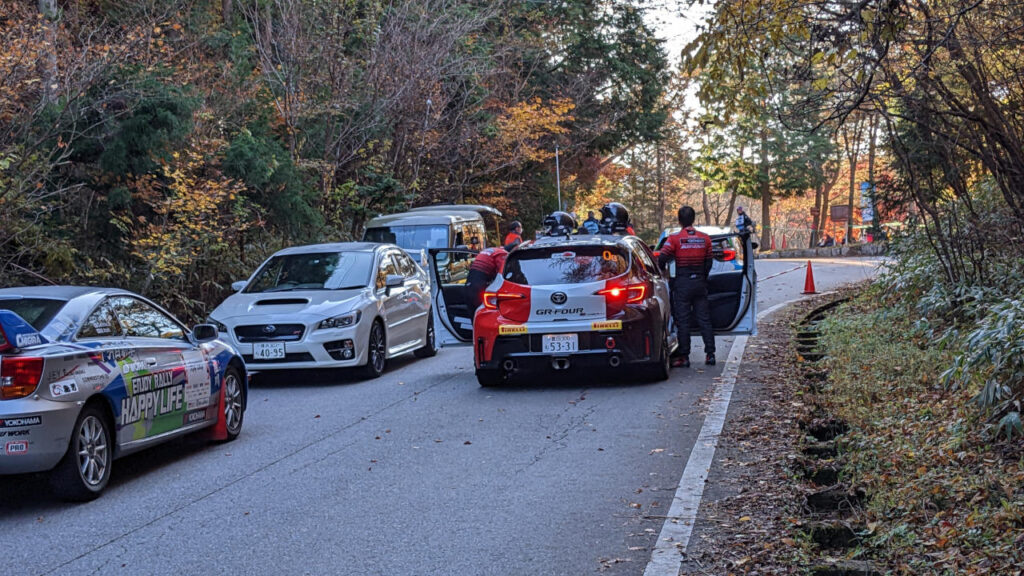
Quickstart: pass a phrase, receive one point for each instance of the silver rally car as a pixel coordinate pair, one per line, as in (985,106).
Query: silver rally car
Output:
(91,374)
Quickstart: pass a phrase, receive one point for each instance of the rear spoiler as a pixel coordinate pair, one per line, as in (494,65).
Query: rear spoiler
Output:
(16,333)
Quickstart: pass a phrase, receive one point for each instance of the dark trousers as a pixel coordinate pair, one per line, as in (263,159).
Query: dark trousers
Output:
(476,283)
(690,291)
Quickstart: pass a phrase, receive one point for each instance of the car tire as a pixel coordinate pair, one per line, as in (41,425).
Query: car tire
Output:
(490,378)
(376,351)
(234,403)
(430,348)
(658,370)
(84,471)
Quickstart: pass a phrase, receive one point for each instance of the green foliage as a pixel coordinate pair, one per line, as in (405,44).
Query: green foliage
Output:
(262,163)
(160,118)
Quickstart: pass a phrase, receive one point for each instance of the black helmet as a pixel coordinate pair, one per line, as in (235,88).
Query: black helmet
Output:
(559,224)
(614,218)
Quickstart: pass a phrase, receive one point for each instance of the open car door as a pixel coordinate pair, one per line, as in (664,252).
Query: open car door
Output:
(448,268)
(732,285)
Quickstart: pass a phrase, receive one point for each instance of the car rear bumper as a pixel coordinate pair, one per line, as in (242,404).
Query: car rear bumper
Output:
(35,447)
(638,341)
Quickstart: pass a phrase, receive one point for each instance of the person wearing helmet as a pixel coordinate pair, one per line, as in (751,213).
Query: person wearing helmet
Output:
(691,250)
(484,269)
(559,224)
(615,219)
(515,235)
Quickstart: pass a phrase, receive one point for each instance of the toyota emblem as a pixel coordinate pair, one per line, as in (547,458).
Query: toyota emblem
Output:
(269,329)
(559,298)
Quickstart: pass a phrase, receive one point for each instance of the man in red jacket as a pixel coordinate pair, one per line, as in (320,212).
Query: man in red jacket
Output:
(691,251)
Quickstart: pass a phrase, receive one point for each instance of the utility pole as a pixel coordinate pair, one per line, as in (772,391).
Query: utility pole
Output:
(558,178)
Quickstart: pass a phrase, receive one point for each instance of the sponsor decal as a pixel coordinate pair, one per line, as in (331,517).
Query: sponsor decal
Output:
(606,325)
(195,416)
(23,340)
(14,433)
(58,389)
(21,421)
(16,448)
(510,329)
(152,395)
(198,387)
(559,312)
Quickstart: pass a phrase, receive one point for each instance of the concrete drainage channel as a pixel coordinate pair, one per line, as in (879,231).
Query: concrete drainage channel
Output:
(830,505)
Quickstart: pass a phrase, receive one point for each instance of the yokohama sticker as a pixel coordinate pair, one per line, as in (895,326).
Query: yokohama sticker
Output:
(509,329)
(21,421)
(16,448)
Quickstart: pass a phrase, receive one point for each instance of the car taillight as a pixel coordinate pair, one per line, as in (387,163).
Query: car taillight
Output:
(19,377)
(629,294)
(617,296)
(728,255)
(492,299)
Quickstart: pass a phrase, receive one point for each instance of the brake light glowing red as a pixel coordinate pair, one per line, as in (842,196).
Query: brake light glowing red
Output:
(19,376)
(728,255)
(631,293)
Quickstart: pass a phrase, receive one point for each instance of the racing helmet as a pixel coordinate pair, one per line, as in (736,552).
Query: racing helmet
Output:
(559,224)
(614,218)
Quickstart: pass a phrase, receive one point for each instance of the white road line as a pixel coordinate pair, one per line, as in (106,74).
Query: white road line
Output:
(668,554)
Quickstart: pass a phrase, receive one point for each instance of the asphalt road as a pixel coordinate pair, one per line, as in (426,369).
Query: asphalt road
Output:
(418,472)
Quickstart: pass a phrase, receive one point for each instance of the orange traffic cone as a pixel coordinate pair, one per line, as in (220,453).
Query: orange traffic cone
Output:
(809,281)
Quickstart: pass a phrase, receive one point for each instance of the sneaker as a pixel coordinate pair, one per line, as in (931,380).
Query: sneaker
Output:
(709,359)
(681,362)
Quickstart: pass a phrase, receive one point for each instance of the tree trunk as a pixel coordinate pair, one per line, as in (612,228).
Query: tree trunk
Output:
(661,191)
(816,215)
(853,189)
(225,11)
(732,207)
(766,197)
(48,8)
(705,203)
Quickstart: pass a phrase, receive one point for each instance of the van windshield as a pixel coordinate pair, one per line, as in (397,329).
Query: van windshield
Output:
(410,237)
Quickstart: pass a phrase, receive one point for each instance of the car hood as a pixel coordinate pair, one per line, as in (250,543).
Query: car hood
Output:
(307,304)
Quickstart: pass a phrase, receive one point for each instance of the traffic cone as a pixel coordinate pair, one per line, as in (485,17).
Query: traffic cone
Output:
(809,281)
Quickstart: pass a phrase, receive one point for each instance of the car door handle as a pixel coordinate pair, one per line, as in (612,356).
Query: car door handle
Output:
(150,361)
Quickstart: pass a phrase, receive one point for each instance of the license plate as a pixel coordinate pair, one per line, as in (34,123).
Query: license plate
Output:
(268,350)
(560,343)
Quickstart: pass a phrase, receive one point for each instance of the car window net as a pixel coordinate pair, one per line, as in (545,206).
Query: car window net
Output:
(36,311)
(562,266)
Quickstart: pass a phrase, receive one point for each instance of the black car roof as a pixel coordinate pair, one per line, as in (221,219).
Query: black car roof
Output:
(574,241)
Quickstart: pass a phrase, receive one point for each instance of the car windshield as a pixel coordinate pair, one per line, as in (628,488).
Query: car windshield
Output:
(36,311)
(561,265)
(317,271)
(410,237)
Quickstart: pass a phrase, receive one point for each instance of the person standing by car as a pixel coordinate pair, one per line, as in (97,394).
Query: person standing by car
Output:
(591,224)
(515,235)
(691,250)
(744,223)
(484,269)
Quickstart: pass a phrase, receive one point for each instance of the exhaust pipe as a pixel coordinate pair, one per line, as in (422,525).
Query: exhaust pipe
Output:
(614,361)
(509,365)
(560,363)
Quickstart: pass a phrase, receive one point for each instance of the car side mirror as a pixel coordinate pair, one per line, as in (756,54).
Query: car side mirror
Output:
(393,281)
(754,245)
(204,332)
(239,286)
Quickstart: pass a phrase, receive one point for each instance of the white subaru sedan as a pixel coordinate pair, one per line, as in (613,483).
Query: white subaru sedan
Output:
(352,304)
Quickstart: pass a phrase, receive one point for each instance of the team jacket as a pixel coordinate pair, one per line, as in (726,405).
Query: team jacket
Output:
(490,261)
(512,240)
(690,248)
